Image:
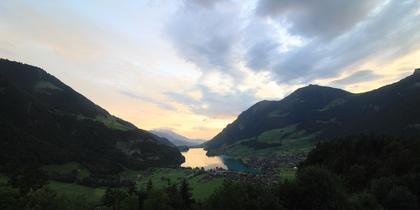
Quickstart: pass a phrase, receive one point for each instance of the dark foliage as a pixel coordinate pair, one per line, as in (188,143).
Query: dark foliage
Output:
(186,195)
(361,159)
(29,192)
(315,188)
(380,170)
(233,196)
(27,179)
(327,180)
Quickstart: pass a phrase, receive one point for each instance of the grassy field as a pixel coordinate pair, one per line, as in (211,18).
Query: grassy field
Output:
(71,189)
(3,179)
(67,169)
(201,186)
(287,173)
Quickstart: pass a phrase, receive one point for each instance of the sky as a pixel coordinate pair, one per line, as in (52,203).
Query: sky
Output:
(193,65)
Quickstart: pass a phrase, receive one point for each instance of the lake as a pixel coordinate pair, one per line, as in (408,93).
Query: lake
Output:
(196,157)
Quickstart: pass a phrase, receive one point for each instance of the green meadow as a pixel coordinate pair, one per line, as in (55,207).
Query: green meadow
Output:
(202,186)
(71,189)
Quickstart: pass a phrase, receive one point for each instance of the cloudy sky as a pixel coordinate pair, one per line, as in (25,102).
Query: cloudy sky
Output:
(194,65)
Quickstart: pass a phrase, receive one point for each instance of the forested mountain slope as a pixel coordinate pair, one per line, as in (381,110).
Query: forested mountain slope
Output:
(44,121)
(312,113)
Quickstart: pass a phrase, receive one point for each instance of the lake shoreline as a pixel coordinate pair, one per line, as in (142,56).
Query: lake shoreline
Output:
(198,158)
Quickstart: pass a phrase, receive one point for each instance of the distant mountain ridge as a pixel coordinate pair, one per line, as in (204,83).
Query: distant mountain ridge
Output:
(44,121)
(175,138)
(312,113)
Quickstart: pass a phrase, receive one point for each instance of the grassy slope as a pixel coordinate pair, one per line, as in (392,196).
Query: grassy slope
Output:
(67,168)
(287,173)
(3,179)
(200,185)
(286,141)
(71,189)
(202,188)
(111,122)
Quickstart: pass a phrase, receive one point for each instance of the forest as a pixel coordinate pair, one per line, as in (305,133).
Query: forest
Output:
(353,173)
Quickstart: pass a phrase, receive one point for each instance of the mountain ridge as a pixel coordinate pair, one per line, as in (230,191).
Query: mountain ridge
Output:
(175,138)
(313,113)
(46,121)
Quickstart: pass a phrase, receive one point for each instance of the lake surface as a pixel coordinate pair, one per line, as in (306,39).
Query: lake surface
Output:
(196,157)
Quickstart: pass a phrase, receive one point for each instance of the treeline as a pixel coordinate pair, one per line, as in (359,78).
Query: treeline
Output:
(355,173)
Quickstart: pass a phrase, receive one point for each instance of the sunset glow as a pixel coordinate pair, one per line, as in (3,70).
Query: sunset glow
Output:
(193,66)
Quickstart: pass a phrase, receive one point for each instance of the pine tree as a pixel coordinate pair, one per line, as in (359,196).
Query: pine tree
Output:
(113,198)
(142,195)
(186,194)
(149,186)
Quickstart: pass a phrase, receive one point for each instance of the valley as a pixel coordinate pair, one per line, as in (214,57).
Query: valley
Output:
(210,105)
(59,146)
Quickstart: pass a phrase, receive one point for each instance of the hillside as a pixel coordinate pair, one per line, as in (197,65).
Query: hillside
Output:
(296,123)
(43,121)
(176,139)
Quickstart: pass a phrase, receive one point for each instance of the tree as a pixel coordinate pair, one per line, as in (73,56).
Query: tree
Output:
(175,199)
(364,201)
(157,200)
(382,186)
(130,203)
(149,186)
(28,179)
(141,197)
(113,198)
(233,196)
(186,195)
(9,198)
(42,199)
(400,198)
(315,188)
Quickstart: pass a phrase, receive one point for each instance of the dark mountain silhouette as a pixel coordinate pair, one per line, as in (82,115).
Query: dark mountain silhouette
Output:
(314,112)
(176,139)
(43,121)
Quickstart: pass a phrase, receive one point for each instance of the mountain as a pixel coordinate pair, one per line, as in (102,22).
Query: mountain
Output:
(43,121)
(313,113)
(175,138)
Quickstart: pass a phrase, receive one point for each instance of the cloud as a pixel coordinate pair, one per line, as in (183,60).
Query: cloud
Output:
(260,44)
(203,3)
(213,104)
(197,60)
(317,18)
(296,41)
(206,36)
(357,77)
(391,33)
(147,99)
(200,128)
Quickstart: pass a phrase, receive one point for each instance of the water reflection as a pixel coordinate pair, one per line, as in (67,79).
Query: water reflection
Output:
(196,157)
